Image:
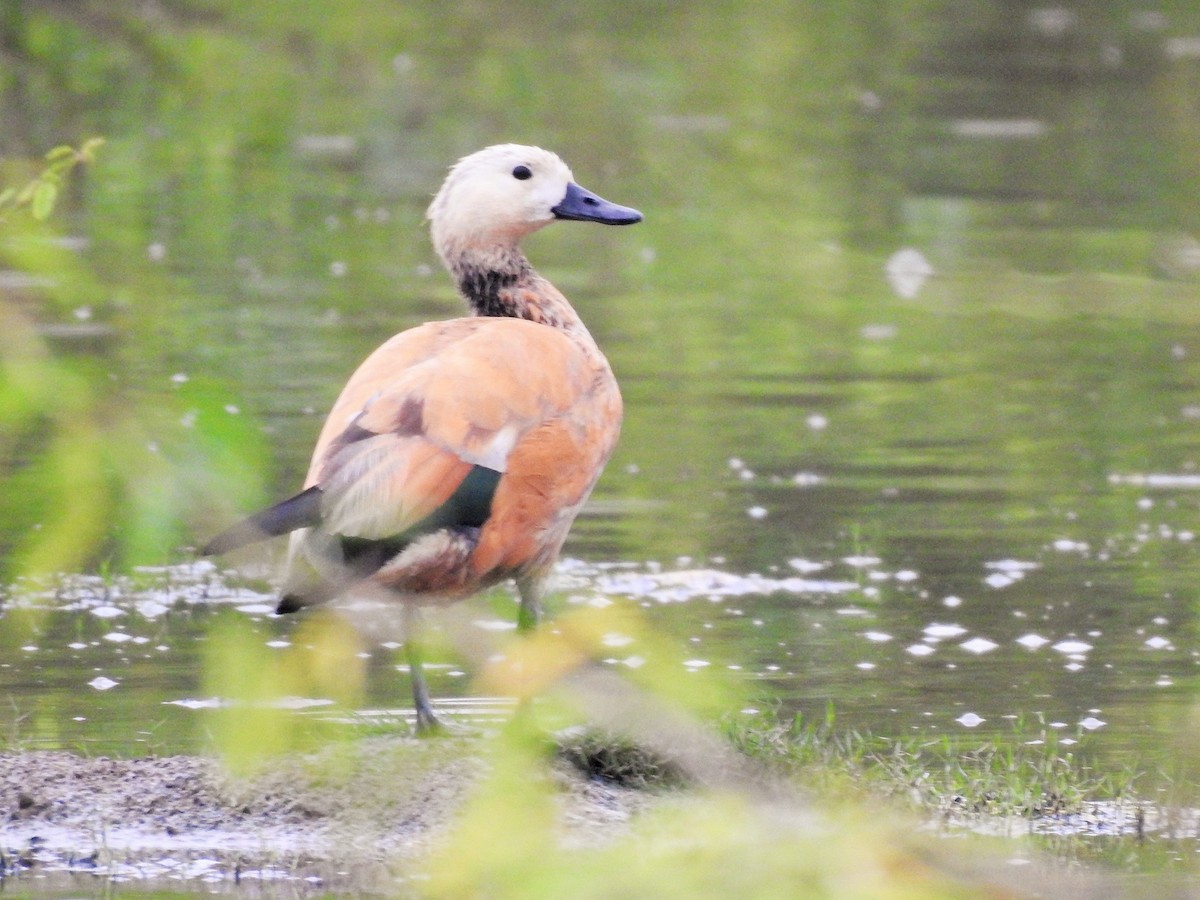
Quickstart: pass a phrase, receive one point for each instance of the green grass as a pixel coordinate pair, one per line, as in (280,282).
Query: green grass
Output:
(1028,774)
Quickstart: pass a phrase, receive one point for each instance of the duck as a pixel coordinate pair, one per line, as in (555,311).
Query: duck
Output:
(460,451)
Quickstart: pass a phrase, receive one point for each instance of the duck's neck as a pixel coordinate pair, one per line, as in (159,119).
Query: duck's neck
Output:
(503,283)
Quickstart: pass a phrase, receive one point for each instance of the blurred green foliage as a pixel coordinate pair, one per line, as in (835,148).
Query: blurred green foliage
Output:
(40,193)
(99,475)
(258,685)
(719,845)
(263,176)
(725,827)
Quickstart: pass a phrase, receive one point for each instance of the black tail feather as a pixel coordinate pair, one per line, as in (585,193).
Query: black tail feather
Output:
(313,595)
(300,511)
(289,604)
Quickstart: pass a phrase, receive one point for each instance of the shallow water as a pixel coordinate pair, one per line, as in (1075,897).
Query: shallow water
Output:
(948,491)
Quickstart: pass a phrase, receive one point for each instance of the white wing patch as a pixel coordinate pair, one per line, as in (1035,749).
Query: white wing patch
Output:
(355,416)
(495,454)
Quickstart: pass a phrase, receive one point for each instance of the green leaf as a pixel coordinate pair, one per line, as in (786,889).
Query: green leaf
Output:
(89,147)
(44,197)
(59,152)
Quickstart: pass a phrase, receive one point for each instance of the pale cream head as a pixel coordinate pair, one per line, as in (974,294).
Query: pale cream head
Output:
(493,198)
(487,200)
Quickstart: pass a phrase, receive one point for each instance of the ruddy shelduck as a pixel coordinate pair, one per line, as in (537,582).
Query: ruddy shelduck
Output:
(460,452)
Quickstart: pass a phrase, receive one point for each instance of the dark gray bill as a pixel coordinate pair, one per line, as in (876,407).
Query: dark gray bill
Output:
(584,206)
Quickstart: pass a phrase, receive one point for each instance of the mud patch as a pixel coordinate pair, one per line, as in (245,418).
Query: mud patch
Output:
(354,818)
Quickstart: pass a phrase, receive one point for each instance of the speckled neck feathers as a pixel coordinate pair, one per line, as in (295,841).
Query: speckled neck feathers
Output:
(504,284)
(478,219)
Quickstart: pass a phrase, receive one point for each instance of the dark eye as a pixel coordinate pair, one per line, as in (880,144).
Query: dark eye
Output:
(522,172)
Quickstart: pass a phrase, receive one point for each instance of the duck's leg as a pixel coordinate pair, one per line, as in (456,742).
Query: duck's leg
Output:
(427,722)
(529,615)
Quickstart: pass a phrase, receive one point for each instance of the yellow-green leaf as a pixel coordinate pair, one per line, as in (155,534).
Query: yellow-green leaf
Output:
(89,148)
(44,197)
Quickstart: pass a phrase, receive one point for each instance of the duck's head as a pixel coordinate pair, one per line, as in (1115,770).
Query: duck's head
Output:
(493,198)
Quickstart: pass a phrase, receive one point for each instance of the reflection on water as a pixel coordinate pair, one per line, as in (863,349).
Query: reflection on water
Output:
(908,341)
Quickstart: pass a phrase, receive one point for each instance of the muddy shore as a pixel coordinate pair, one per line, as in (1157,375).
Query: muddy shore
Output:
(355,818)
